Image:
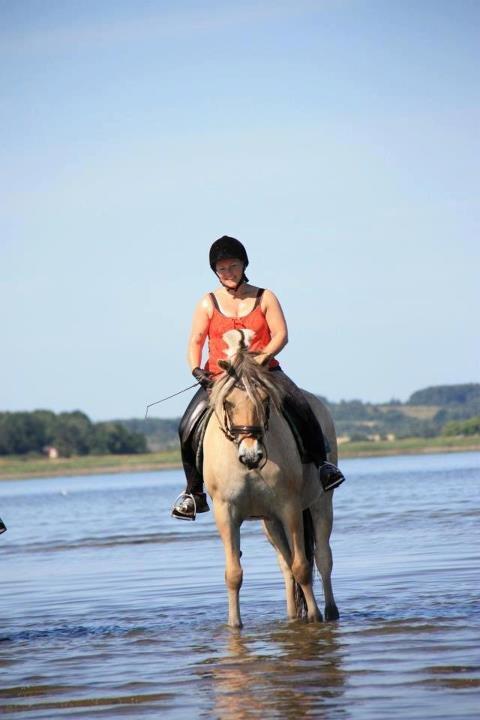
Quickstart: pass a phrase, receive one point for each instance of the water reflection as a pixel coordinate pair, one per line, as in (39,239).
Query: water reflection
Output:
(293,670)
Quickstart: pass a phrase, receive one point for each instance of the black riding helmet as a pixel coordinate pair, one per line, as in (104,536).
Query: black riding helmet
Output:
(228,248)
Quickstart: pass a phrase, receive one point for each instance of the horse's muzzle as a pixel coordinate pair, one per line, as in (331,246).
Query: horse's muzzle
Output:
(251,455)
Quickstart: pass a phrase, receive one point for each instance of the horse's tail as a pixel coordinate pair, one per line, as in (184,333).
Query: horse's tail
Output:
(309,540)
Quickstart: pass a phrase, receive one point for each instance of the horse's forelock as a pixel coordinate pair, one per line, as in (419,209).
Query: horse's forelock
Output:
(253,376)
(220,390)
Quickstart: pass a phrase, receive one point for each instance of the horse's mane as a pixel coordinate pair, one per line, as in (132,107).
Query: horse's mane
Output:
(253,377)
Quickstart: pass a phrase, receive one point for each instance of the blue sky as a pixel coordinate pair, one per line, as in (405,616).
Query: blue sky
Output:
(338,140)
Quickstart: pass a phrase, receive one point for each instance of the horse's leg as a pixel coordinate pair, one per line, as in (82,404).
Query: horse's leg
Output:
(301,568)
(322,514)
(229,530)
(276,535)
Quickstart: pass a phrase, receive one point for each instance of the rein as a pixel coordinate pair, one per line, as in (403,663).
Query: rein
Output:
(169,396)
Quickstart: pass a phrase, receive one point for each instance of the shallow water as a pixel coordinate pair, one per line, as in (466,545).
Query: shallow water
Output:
(111,609)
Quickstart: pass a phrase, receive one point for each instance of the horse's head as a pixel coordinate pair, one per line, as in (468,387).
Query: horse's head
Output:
(242,401)
(246,410)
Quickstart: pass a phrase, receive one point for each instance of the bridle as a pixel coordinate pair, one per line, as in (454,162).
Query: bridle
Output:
(236,433)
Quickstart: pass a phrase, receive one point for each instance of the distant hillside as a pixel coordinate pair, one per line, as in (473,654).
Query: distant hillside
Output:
(447,395)
(425,414)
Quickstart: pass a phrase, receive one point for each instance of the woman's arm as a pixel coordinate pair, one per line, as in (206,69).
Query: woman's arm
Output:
(200,323)
(276,323)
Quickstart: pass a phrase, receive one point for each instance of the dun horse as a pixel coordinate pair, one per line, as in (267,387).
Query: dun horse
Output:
(252,469)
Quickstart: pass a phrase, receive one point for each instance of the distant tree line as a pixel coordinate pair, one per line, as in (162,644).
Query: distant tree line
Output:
(449,409)
(465,394)
(465,427)
(71,433)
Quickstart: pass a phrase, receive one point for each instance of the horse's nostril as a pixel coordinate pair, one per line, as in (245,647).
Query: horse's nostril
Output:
(251,461)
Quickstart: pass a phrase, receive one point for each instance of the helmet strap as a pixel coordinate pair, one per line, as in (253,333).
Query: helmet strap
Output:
(242,280)
(234,289)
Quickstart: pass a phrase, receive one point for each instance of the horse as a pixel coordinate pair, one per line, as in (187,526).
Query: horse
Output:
(252,469)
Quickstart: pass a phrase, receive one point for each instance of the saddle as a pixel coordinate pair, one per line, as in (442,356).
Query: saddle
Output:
(197,439)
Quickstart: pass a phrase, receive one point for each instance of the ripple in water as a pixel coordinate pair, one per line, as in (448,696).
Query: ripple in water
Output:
(112,609)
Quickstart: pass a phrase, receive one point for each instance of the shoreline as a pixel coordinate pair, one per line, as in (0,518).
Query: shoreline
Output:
(84,472)
(31,468)
(427,450)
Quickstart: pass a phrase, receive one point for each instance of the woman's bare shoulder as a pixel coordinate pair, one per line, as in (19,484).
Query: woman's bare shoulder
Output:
(269,298)
(205,304)
(269,293)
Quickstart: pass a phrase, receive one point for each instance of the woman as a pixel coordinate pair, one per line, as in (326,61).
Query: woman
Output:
(237,304)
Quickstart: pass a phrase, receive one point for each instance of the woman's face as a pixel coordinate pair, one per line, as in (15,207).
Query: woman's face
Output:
(230,272)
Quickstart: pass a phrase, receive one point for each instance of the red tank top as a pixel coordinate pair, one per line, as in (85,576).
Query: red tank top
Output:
(220,324)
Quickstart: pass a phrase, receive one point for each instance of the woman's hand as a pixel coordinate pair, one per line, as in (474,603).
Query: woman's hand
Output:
(204,377)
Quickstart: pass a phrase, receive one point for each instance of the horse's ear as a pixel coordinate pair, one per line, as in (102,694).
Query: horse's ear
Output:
(227,366)
(262,359)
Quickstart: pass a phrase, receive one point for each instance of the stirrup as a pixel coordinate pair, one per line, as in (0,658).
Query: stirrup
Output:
(184,517)
(330,476)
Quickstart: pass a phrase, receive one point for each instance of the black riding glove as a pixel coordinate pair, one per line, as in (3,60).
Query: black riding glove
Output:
(204,377)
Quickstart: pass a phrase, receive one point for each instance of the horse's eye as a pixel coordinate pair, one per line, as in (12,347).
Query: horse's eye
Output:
(228,404)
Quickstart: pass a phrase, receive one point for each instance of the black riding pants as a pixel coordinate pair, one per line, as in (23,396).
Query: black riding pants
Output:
(295,408)
(196,409)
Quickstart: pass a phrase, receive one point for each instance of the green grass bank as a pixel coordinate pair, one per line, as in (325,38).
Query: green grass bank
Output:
(16,467)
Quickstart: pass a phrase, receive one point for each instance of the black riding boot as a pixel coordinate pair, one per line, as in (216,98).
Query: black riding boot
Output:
(300,415)
(186,506)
